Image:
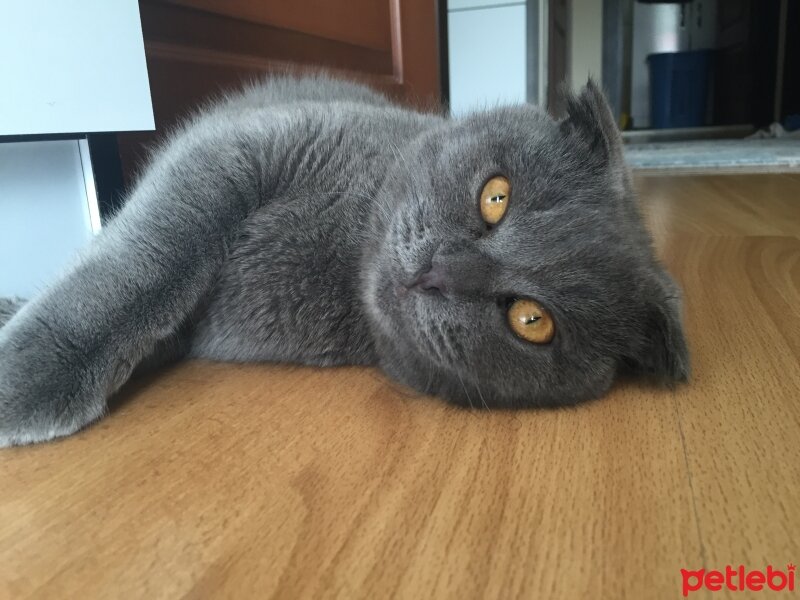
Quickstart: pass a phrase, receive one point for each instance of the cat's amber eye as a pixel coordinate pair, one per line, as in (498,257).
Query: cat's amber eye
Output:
(531,321)
(494,199)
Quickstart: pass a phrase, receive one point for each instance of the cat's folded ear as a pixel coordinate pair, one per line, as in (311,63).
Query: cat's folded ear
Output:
(662,353)
(589,117)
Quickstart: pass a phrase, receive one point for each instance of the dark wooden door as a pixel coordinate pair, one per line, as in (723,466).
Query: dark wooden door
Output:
(196,48)
(558,54)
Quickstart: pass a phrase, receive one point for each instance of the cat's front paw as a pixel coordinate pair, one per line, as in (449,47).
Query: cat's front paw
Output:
(46,388)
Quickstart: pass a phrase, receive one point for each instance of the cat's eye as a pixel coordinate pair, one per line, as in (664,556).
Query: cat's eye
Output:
(494,199)
(531,321)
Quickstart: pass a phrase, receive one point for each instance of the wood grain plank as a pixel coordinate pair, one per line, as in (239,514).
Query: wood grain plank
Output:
(360,22)
(741,421)
(721,205)
(197,49)
(195,30)
(380,492)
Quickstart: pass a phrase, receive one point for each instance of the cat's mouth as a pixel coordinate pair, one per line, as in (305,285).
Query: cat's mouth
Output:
(420,324)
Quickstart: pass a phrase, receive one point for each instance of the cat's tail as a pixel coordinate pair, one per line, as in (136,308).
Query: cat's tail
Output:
(8,308)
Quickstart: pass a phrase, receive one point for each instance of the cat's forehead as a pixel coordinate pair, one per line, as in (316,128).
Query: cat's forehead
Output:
(546,170)
(520,142)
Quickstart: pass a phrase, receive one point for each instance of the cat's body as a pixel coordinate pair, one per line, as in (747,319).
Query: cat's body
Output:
(293,223)
(289,289)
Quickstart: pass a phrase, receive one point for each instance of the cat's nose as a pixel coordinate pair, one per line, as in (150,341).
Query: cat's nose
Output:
(433,280)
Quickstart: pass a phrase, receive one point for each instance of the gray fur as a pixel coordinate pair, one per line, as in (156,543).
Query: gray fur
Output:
(8,308)
(288,223)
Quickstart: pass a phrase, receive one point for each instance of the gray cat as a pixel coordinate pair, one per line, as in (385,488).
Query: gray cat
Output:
(496,260)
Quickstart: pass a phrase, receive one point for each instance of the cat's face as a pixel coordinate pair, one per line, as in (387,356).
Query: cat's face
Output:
(539,297)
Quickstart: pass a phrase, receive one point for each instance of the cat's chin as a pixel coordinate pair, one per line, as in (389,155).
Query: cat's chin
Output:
(405,362)
(429,379)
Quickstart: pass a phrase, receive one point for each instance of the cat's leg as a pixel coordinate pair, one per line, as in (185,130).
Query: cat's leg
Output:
(68,349)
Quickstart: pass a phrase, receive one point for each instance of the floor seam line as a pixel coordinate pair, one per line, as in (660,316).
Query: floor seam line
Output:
(691,484)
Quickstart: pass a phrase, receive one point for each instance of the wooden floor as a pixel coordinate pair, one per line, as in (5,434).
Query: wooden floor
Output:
(270,481)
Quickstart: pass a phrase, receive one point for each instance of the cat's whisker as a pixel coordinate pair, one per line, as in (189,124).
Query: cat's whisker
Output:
(454,356)
(412,173)
(430,377)
(469,399)
(397,152)
(480,393)
(477,381)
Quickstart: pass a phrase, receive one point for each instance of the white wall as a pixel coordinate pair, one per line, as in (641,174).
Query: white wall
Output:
(586,43)
(72,67)
(45,215)
(487,51)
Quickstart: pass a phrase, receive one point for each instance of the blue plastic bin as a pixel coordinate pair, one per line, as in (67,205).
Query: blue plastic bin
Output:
(679,83)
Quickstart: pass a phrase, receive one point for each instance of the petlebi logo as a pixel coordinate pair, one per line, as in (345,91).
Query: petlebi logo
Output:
(739,579)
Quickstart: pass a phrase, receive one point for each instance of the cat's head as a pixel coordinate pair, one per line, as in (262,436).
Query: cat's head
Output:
(487,213)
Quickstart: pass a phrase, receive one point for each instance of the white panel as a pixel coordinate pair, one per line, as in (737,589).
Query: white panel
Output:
(586,42)
(72,66)
(44,213)
(467,4)
(89,185)
(487,57)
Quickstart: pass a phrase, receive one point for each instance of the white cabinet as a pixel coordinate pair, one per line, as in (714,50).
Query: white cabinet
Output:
(68,68)
(72,66)
(47,211)
(487,51)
